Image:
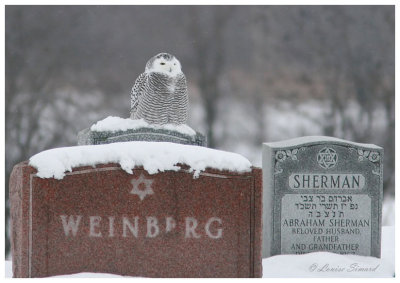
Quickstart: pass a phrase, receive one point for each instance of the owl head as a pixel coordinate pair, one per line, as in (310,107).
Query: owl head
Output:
(164,63)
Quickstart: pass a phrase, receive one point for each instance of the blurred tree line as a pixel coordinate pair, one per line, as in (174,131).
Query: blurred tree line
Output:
(70,66)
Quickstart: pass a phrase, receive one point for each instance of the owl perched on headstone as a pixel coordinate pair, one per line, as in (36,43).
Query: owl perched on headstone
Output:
(159,95)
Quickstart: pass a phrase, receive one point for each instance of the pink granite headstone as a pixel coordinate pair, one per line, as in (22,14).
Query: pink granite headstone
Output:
(105,220)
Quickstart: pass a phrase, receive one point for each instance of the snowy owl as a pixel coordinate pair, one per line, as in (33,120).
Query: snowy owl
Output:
(159,95)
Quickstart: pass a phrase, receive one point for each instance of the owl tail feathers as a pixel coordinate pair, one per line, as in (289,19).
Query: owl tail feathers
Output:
(133,110)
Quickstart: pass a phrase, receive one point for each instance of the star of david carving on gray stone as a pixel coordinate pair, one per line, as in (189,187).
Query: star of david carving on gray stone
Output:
(141,193)
(327,158)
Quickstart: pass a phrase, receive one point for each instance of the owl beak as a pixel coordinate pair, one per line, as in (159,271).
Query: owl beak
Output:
(170,69)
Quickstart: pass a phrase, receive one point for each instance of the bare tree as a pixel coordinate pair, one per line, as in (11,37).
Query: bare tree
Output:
(206,28)
(41,111)
(348,52)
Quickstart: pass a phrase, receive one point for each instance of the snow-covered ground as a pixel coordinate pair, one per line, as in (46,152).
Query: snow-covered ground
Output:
(319,264)
(324,264)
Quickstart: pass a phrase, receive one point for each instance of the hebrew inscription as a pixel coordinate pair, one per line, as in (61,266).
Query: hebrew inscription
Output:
(325,223)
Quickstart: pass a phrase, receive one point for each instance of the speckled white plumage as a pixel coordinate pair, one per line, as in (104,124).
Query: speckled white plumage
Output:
(159,95)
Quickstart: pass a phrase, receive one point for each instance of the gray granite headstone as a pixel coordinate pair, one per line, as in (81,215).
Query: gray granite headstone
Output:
(322,194)
(87,136)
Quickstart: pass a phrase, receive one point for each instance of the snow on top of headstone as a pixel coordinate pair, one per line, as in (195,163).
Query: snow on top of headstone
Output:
(316,139)
(153,156)
(114,124)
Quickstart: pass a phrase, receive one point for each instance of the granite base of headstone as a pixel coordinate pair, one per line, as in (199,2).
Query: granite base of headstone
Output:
(322,194)
(102,219)
(89,137)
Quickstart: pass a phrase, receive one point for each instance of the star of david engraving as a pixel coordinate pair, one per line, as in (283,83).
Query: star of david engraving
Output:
(136,184)
(327,158)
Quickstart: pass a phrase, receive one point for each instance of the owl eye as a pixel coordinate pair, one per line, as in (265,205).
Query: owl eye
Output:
(174,63)
(162,63)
